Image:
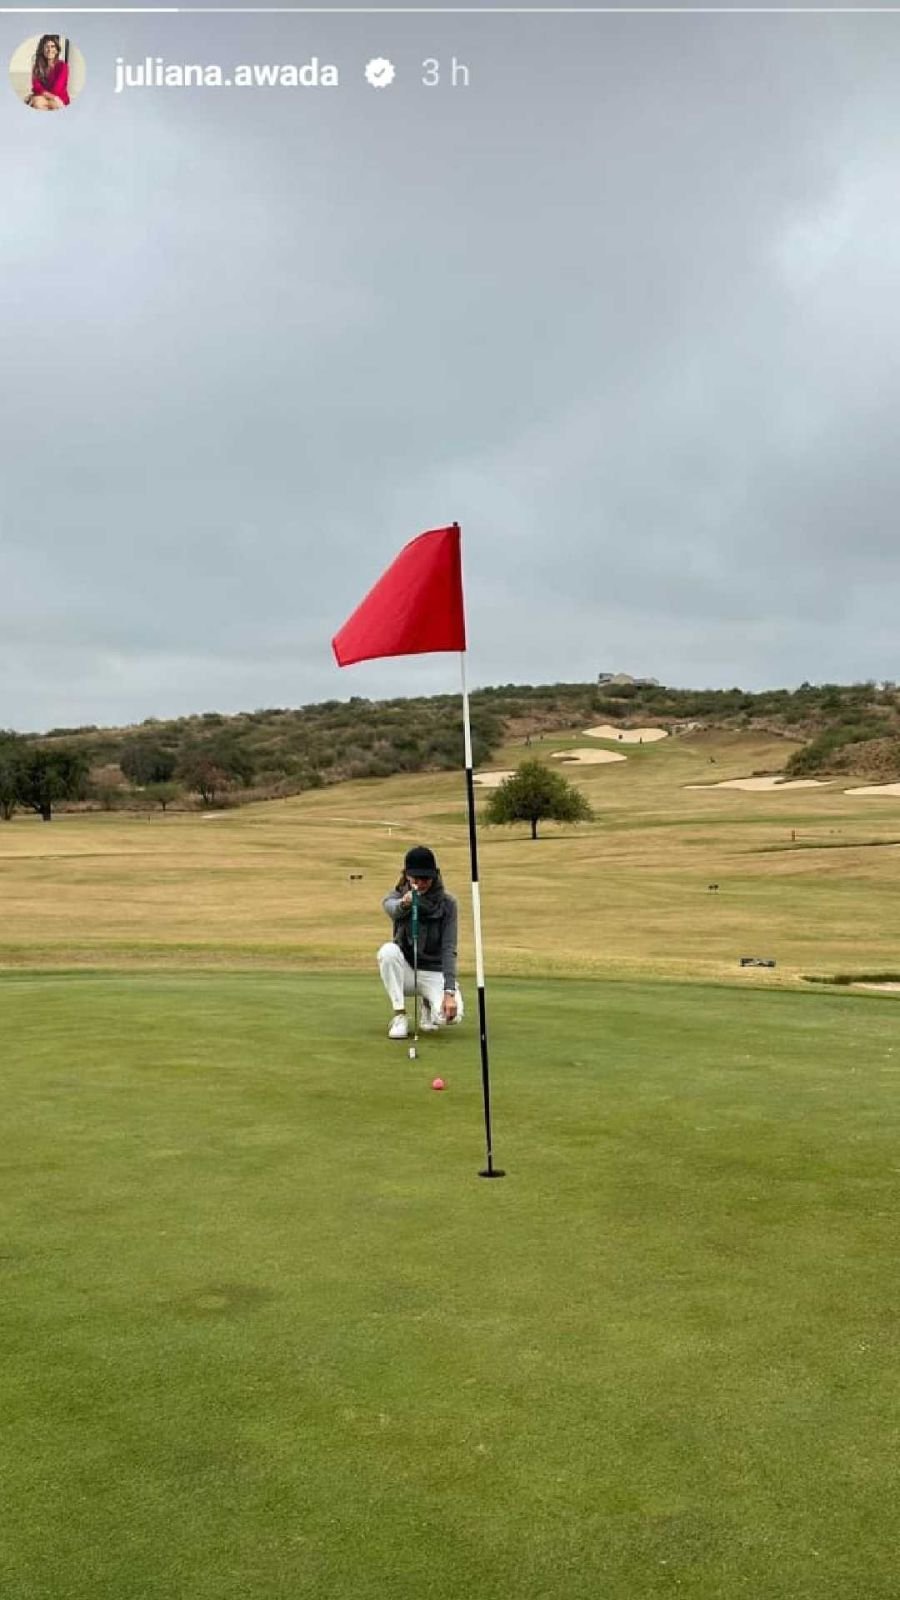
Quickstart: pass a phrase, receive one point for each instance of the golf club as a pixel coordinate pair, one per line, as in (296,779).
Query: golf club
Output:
(414,927)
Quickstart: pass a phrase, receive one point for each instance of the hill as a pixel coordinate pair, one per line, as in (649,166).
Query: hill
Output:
(279,751)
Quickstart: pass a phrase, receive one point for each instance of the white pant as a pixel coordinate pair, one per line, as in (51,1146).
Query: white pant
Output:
(399,979)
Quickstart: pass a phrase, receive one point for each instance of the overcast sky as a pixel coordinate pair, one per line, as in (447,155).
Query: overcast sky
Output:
(626,308)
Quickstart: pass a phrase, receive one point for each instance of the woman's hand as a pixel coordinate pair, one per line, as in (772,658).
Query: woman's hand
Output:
(406,899)
(448,1006)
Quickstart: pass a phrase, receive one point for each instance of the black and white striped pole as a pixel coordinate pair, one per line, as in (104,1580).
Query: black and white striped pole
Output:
(490,1171)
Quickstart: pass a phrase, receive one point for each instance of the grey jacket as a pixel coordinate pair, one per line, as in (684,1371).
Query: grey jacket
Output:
(438,936)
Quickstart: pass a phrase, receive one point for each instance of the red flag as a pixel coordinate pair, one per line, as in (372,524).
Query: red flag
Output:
(414,608)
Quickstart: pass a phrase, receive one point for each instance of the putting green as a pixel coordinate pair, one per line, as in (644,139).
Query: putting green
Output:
(266,1333)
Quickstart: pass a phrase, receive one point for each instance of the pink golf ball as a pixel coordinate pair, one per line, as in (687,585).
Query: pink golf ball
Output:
(438,1084)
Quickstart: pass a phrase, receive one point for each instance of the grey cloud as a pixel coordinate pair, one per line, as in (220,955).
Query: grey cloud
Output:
(626,311)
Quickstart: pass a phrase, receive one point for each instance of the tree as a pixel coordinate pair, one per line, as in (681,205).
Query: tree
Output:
(226,753)
(203,777)
(162,794)
(533,793)
(107,794)
(107,785)
(221,756)
(48,775)
(143,762)
(11,747)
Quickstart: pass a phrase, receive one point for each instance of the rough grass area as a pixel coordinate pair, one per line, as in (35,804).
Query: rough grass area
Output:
(858,977)
(266,1333)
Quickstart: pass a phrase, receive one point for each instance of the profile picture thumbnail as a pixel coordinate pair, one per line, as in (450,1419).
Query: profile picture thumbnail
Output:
(47,72)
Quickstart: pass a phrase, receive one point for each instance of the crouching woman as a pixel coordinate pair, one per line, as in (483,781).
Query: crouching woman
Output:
(439,994)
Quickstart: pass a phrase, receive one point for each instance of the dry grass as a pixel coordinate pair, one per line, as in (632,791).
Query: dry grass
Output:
(270,885)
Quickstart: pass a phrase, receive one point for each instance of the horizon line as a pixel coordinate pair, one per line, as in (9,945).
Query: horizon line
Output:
(877,685)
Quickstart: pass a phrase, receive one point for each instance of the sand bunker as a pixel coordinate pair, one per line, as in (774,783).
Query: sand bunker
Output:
(627,735)
(760,784)
(491,780)
(876,788)
(588,756)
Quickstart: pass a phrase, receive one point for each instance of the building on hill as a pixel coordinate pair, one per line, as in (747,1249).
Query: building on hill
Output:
(612,678)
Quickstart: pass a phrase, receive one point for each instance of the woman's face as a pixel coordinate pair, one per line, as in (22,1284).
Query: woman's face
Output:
(421,885)
(51,50)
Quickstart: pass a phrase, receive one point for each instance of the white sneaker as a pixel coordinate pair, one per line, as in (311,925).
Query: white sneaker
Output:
(428,1022)
(399,1028)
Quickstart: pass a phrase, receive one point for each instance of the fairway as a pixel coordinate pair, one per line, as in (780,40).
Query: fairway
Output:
(298,883)
(267,1334)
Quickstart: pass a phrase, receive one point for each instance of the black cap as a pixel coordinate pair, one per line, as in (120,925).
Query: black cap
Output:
(420,862)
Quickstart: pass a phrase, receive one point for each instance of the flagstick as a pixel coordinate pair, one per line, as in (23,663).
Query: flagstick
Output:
(490,1170)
